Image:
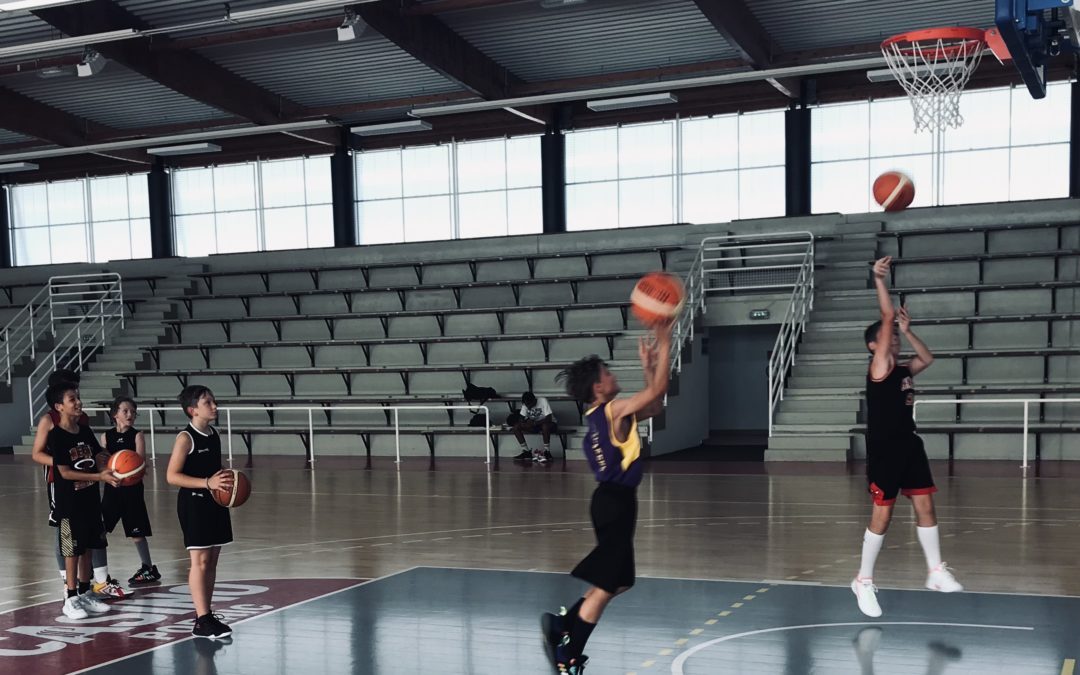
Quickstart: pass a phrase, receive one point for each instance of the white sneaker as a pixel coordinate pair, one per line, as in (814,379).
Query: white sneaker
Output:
(73,609)
(866,593)
(93,605)
(941,579)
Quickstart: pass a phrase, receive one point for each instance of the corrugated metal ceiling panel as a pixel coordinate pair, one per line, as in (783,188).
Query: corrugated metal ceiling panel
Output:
(166,13)
(18,28)
(116,97)
(12,137)
(596,37)
(316,70)
(813,24)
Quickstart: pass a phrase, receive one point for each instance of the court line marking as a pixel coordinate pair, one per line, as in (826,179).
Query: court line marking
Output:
(1068,666)
(234,623)
(677,664)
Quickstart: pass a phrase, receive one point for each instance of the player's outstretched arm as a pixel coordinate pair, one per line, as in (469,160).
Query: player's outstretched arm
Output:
(882,363)
(923,356)
(657,360)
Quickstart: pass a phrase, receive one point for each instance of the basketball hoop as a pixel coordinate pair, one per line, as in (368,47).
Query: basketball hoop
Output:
(933,66)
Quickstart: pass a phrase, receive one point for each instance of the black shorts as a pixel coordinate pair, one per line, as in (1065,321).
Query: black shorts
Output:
(610,566)
(126,503)
(80,532)
(897,465)
(204,522)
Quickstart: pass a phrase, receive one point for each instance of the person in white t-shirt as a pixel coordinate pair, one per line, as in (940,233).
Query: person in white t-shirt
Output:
(534,415)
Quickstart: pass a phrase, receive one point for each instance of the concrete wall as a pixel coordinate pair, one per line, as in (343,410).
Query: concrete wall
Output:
(686,420)
(738,377)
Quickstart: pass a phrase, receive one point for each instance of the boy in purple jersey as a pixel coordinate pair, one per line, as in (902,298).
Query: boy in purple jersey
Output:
(613,448)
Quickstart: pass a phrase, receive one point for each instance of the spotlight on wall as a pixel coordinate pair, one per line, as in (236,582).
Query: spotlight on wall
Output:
(351,28)
(189,149)
(17,166)
(391,128)
(91,64)
(626,102)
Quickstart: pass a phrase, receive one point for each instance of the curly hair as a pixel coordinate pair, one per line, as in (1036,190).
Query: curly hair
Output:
(580,377)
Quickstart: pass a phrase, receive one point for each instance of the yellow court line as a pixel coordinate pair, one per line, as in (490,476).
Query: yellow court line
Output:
(666,652)
(681,641)
(697,631)
(736,605)
(749,597)
(648,664)
(710,622)
(1068,666)
(726,612)
(762,590)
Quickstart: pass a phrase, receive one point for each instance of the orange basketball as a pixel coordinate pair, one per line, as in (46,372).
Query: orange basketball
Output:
(239,494)
(128,466)
(657,297)
(894,191)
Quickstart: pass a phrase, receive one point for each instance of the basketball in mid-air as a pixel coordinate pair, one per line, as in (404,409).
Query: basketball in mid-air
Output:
(657,298)
(894,191)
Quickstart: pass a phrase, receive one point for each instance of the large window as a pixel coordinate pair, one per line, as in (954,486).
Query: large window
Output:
(458,190)
(1010,147)
(257,206)
(704,170)
(85,220)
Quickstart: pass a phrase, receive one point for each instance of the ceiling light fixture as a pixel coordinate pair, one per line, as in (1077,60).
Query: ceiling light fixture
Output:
(392,128)
(17,166)
(626,102)
(556,4)
(351,28)
(189,149)
(91,64)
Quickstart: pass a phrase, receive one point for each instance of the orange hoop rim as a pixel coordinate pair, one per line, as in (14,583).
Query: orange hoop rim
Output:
(945,34)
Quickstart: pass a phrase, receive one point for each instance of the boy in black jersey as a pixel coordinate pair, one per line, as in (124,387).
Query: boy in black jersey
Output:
(78,501)
(195,468)
(895,458)
(127,503)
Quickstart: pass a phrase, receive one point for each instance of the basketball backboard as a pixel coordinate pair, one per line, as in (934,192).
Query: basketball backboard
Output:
(1034,31)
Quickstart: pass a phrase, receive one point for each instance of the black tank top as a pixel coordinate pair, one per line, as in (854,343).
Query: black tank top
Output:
(204,460)
(890,404)
(116,441)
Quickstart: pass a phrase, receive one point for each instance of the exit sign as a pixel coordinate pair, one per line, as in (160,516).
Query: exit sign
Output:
(759,314)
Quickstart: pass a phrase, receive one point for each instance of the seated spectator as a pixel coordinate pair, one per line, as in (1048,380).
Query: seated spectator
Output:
(534,415)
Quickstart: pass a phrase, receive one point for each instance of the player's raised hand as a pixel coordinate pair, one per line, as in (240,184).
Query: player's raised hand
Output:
(881,267)
(904,319)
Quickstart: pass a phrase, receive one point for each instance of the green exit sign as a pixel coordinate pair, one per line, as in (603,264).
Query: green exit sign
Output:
(759,314)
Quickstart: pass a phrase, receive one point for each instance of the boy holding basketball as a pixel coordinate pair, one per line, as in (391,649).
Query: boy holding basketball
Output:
(77,500)
(195,468)
(127,503)
(896,461)
(613,448)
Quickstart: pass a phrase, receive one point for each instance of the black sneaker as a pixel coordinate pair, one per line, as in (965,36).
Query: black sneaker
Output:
(553,627)
(523,456)
(543,458)
(210,626)
(145,575)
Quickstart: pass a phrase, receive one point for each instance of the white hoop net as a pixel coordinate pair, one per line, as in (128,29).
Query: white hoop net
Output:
(934,73)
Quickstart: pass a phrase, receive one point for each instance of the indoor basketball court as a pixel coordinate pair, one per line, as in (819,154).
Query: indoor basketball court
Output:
(381,236)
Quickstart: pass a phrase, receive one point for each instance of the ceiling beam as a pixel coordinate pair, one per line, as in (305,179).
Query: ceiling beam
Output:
(441,6)
(33,118)
(181,70)
(432,43)
(745,34)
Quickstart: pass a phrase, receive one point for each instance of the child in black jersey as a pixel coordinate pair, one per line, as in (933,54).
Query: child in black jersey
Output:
(77,499)
(896,461)
(195,468)
(127,503)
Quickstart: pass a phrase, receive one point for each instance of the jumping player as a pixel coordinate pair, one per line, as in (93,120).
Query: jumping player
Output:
(127,503)
(195,468)
(613,448)
(896,461)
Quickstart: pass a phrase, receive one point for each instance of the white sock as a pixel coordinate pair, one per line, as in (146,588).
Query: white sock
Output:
(931,545)
(546,448)
(524,448)
(101,575)
(871,546)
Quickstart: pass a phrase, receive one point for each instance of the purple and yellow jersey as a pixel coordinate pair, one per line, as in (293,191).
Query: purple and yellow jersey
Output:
(611,460)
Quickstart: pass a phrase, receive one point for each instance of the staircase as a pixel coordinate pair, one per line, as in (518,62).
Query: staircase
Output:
(819,414)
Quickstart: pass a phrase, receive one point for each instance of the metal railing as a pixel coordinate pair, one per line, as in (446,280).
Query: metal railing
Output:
(48,308)
(1026,402)
(86,337)
(311,410)
(791,329)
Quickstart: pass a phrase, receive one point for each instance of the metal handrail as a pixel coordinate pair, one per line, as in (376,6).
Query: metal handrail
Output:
(228,410)
(791,329)
(996,401)
(82,340)
(39,316)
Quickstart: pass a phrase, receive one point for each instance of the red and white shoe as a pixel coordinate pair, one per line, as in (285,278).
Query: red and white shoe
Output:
(942,580)
(866,593)
(110,588)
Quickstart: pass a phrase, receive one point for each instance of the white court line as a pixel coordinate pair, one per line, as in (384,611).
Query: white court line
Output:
(677,665)
(273,611)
